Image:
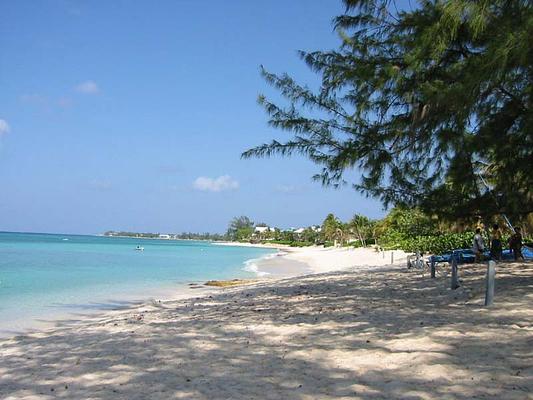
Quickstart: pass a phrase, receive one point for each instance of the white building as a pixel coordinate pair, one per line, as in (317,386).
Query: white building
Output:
(164,236)
(262,232)
(263,229)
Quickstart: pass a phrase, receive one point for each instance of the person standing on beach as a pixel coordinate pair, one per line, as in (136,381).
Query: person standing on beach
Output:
(478,246)
(496,243)
(515,243)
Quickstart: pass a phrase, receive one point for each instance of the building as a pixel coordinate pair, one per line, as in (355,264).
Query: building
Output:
(263,229)
(262,232)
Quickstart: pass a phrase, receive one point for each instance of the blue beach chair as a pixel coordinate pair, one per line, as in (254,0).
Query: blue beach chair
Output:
(465,256)
(462,256)
(527,252)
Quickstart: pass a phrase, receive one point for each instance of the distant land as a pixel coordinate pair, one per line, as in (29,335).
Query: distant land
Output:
(168,236)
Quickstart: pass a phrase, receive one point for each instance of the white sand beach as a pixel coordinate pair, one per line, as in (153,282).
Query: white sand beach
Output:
(365,331)
(318,259)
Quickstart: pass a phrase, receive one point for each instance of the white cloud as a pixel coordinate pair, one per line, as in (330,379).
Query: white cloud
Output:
(224,182)
(88,87)
(4,127)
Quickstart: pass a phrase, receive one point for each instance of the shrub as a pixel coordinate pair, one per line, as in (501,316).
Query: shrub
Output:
(436,244)
(301,244)
(286,242)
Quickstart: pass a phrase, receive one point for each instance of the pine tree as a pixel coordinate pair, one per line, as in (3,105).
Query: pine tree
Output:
(432,104)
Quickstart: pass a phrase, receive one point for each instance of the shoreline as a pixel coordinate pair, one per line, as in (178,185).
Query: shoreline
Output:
(288,262)
(41,322)
(28,320)
(99,307)
(362,332)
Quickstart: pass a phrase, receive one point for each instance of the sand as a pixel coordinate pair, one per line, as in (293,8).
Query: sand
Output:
(295,261)
(373,332)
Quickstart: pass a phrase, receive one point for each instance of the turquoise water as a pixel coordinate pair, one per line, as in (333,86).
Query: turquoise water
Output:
(44,275)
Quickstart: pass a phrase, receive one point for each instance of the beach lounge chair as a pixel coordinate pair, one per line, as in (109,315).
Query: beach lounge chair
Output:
(465,256)
(462,256)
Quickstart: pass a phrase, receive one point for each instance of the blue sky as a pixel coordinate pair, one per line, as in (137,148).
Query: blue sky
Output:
(133,114)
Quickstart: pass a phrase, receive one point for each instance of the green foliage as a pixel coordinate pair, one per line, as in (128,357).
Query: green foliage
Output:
(407,222)
(309,235)
(355,244)
(408,229)
(330,226)
(301,244)
(180,236)
(285,242)
(284,236)
(436,244)
(363,227)
(432,103)
(240,228)
(411,230)
(290,243)
(333,229)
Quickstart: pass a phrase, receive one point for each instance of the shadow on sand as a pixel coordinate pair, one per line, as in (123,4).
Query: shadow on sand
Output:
(382,334)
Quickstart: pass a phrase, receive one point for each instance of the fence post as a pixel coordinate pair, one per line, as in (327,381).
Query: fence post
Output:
(491,277)
(392,257)
(433,266)
(455,279)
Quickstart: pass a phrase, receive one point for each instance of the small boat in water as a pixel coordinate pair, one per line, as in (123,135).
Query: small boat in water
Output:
(139,248)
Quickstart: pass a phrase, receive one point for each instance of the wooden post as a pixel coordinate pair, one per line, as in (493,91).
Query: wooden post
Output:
(392,257)
(433,266)
(455,279)
(490,280)
(417,259)
(383,253)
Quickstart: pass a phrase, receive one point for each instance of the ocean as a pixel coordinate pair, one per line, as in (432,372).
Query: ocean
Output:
(46,276)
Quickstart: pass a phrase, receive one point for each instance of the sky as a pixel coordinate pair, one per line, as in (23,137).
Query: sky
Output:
(132,115)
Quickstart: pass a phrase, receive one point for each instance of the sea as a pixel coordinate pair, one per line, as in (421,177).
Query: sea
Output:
(44,277)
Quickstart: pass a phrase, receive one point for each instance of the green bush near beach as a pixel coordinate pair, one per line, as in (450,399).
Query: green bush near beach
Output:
(403,228)
(283,242)
(437,244)
(301,244)
(291,243)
